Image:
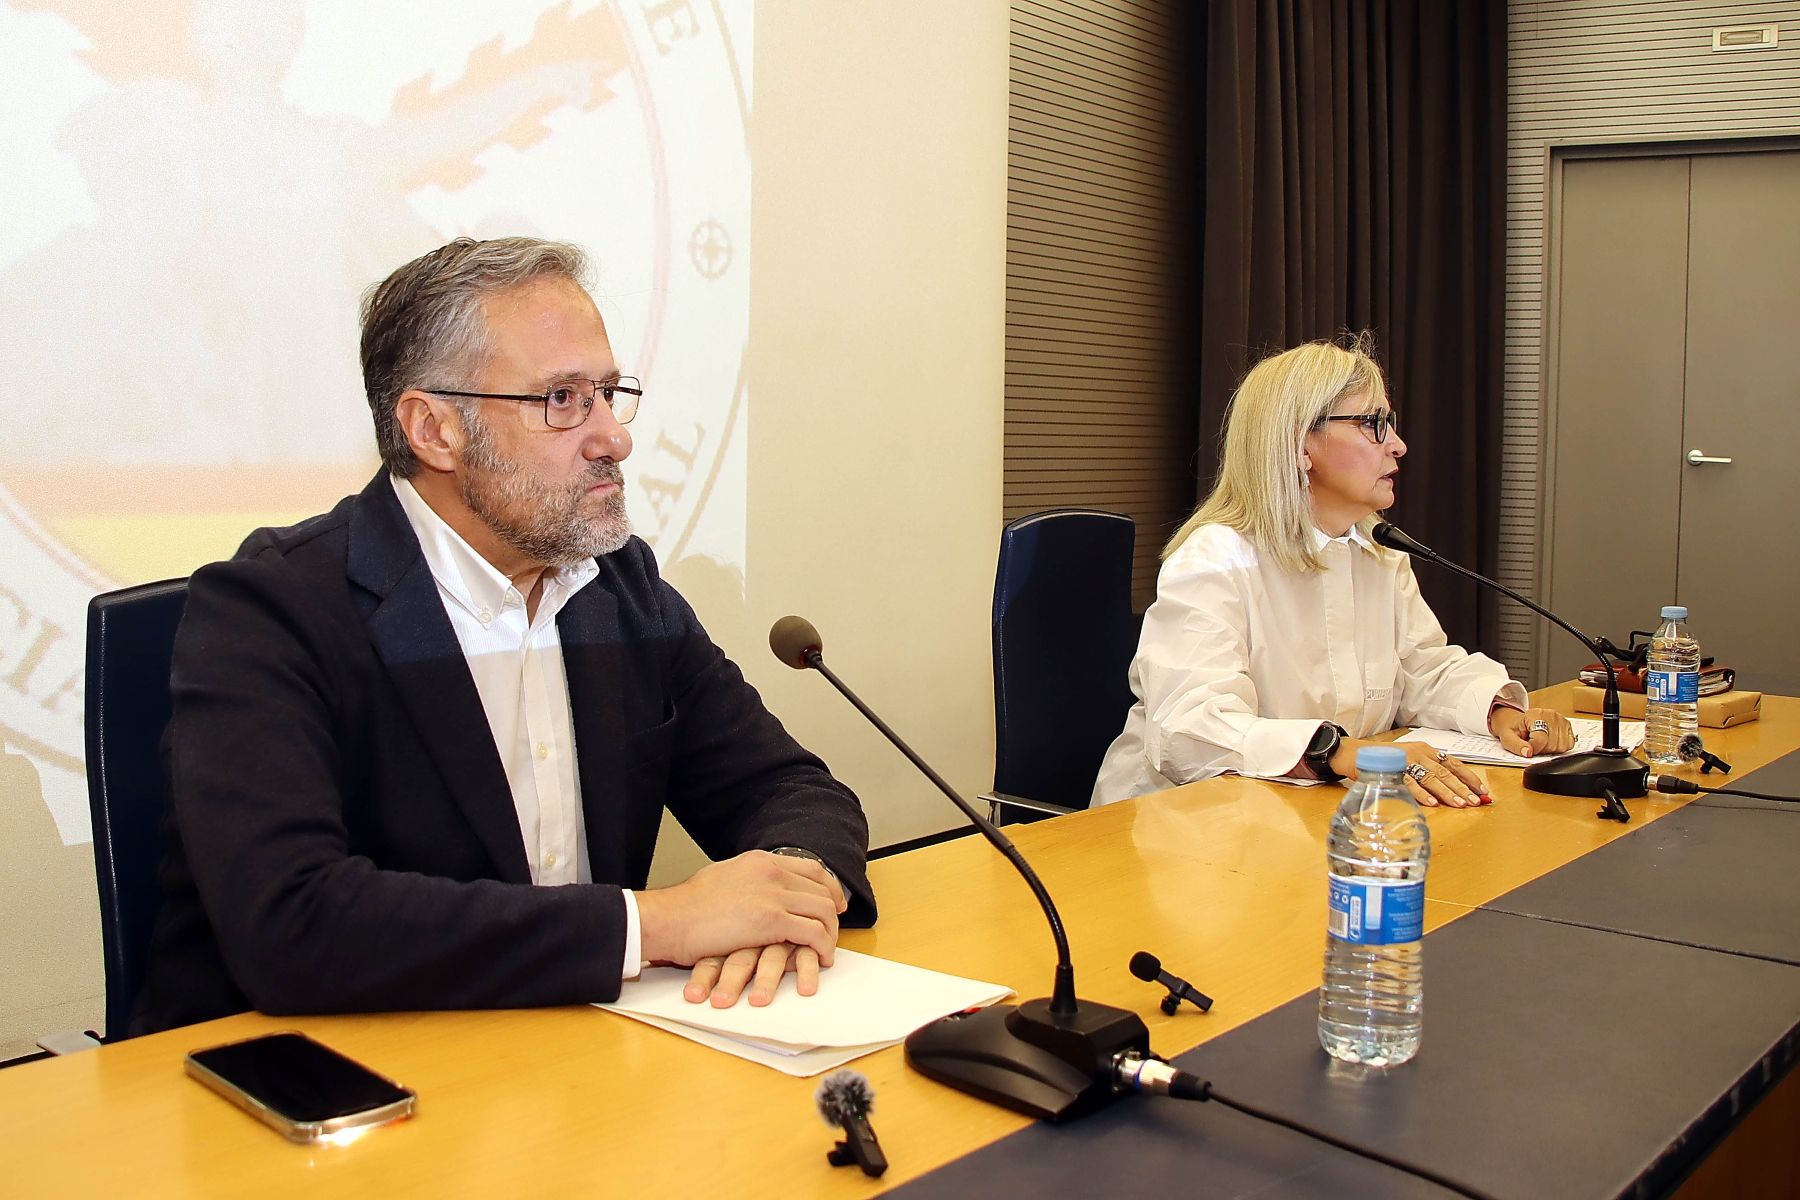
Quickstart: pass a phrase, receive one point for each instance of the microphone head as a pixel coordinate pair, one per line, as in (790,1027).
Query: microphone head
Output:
(1690,747)
(845,1096)
(1146,966)
(1386,533)
(793,639)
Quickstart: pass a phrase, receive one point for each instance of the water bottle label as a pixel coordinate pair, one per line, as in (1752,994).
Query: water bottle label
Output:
(1683,687)
(1376,912)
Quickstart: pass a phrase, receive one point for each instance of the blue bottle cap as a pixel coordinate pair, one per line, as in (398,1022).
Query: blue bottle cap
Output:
(1674,612)
(1380,758)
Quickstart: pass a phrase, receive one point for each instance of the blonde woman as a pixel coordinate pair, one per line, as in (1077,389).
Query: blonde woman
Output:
(1281,636)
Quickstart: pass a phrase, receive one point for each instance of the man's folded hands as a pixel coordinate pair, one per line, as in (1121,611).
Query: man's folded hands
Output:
(746,921)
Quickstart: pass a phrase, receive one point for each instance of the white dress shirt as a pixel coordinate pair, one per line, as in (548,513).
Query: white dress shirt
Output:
(517,665)
(1240,660)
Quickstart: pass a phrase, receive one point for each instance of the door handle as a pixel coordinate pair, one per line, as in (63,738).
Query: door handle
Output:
(1695,458)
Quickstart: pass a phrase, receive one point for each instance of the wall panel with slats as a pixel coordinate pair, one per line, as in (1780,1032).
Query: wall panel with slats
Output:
(1092,413)
(1590,72)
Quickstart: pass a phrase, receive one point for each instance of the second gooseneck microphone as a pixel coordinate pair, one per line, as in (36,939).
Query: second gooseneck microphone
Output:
(1050,1059)
(1607,773)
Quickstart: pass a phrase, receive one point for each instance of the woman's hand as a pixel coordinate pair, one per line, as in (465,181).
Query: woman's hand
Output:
(1434,776)
(1532,732)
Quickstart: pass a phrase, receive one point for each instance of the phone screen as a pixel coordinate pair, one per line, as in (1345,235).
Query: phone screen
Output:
(299,1078)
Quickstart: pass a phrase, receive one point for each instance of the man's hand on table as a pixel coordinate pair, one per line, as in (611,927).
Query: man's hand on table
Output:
(747,920)
(722,979)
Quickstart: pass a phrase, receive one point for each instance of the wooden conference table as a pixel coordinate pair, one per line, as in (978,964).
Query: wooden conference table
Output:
(1222,880)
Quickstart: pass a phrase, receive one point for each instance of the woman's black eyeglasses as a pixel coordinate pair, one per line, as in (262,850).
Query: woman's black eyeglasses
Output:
(1375,424)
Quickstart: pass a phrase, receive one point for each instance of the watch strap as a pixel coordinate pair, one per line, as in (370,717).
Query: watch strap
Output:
(1319,751)
(803,852)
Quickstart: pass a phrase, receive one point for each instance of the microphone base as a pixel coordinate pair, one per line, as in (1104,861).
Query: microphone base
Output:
(1590,775)
(1030,1060)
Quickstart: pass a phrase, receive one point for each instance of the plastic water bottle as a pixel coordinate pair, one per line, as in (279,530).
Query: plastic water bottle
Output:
(1671,689)
(1372,1001)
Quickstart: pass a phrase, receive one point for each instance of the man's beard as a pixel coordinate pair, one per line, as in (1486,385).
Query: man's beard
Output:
(540,520)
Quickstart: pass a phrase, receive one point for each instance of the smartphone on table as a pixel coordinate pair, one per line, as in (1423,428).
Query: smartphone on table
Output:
(303,1089)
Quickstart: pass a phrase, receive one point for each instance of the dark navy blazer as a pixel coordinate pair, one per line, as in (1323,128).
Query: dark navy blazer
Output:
(340,832)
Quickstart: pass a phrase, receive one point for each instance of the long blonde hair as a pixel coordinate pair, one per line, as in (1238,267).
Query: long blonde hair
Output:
(1261,491)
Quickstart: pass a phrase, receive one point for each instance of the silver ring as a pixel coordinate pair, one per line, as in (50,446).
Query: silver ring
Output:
(1419,772)
(1443,754)
(1540,727)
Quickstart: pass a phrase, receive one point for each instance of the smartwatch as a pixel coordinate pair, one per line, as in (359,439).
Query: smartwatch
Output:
(1319,751)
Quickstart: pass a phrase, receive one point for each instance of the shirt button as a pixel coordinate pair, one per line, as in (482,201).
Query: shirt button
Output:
(550,860)
(543,751)
(487,617)
(512,600)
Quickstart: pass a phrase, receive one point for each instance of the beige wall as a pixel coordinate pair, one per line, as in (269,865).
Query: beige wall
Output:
(878,252)
(876,364)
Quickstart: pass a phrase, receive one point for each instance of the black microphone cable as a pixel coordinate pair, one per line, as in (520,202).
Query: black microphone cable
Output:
(1670,785)
(1158,1077)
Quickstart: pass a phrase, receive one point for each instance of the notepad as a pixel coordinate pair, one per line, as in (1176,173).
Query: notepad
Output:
(863,1004)
(1479,748)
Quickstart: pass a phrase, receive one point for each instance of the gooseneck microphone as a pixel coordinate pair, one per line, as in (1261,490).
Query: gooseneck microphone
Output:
(1055,1059)
(1607,773)
(1148,968)
(1051,1059)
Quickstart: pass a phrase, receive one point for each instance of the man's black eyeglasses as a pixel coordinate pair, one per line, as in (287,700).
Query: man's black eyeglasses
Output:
(567,405)
(1375,424)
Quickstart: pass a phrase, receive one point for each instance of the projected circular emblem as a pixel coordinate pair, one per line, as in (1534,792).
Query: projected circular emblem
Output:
(180,353)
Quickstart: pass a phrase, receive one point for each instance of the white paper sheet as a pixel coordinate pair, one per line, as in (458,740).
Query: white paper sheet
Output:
(799,1064)
(863,1004)
(1476,748)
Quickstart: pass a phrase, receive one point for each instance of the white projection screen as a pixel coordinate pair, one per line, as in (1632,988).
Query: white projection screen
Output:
(196,193)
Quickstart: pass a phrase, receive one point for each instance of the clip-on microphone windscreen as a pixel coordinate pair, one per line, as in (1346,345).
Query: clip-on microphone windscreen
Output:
(845,1100)
(1693,749)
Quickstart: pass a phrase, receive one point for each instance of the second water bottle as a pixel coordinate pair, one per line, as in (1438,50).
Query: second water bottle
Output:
(1372,1000)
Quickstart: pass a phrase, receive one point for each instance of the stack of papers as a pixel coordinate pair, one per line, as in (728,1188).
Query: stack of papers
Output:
(863,1004)
(1477,748)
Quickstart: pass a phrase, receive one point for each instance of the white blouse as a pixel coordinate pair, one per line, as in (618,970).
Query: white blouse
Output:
(1241,660)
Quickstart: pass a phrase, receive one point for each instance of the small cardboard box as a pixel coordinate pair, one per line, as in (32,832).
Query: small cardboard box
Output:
(1716,712)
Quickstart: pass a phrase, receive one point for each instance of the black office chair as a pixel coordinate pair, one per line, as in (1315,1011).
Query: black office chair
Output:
(130,641)
(1064,635)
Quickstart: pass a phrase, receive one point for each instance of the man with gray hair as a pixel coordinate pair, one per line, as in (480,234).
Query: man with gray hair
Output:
(421,744)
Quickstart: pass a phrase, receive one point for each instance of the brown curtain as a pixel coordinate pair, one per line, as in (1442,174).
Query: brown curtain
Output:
(1353,179)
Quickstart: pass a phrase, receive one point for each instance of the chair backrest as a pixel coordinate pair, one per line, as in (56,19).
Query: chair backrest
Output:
(1064,635)
(130,641)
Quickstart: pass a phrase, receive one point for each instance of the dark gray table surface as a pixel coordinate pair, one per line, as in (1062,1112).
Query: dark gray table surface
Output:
(1557,1061)
(1719,873)
(1592,1033)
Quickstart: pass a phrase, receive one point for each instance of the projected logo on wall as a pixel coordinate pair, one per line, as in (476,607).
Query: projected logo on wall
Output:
(200,191)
